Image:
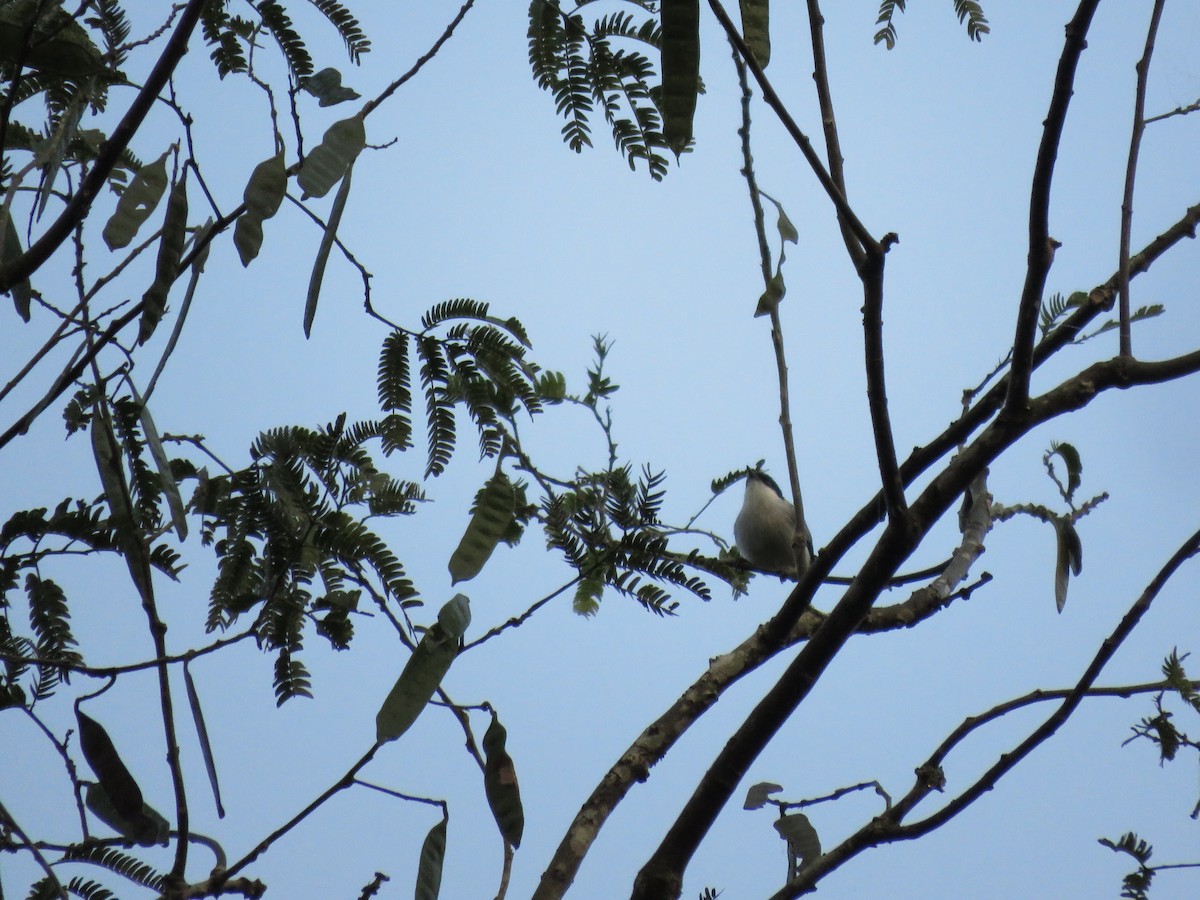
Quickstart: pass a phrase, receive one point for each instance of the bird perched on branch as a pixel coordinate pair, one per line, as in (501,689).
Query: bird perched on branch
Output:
(765,529)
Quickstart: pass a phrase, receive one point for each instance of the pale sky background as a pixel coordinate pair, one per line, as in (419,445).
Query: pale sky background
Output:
(479,198)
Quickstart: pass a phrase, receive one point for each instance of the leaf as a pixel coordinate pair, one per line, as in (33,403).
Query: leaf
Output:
(455,616)
(494,511)
(262,196)
(1069,561)
(137,203)
(429,869)
(422,674)
(202,734)
(500,784)
(318,271)
(680,70)
(100,753)
(327,87)
(330,159)
(770,298)
(756,29)
(51,158)
(107,455)
(803,842)
(1070,457)
(787,231)
(170,251)
(21,292)
(146,829)
(166,477)
(757,796)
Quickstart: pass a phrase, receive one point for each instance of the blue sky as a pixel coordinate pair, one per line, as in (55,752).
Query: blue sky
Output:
(478,198)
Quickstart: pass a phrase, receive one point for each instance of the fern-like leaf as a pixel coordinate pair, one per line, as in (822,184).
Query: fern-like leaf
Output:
(348,27)
(221,32)
(972,12)
(280,25)
(887,11)
(116,861)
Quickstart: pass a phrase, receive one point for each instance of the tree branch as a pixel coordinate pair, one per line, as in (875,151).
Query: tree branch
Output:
(1041,250)
(1135,143)
(833,147)
(662,875)
(886,828)
(841,205)
(81,201)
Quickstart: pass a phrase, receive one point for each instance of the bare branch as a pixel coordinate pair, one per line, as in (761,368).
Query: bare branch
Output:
(886,828)
(831,189)
(1041,246)
(1135,143)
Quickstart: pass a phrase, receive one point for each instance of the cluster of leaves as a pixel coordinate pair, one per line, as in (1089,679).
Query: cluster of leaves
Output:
(968,11)
(30,538)
(290,549)
(230,35)
(1135,885)
(1056,307)
(603,66)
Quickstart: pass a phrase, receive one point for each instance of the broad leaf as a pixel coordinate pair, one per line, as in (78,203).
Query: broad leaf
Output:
(769,301)
(100,753)
(21,292)
(756,29)
(1069,559)
(327,87)
(422,674)
(262,196)
(137,203)
(500,784)
(145,829)
(680,70)
(329,160)
(757,796)
(429,869)
(803,843)
(494,512)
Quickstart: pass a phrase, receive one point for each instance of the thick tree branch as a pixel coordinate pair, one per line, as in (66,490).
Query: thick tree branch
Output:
(1041,248)
(662,875)
(725,670)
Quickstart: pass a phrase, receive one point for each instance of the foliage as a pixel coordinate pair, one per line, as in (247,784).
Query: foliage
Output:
(299,531)
(603,66)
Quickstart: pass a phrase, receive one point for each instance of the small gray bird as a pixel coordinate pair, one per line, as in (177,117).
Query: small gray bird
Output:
(765,527)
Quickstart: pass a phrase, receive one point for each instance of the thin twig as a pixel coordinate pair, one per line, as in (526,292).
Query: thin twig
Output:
(772,99)
(341,784)
(1137,129)
(10,824)
(833,147)
(801,537)
(888,828)
(420,63)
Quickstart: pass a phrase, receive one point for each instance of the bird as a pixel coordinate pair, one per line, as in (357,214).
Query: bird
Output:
(765,528)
